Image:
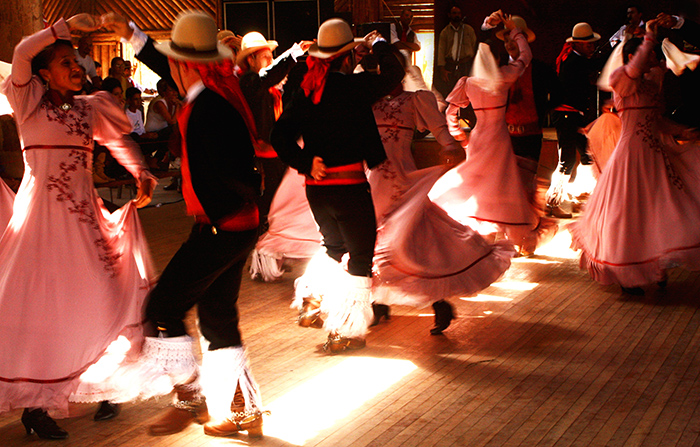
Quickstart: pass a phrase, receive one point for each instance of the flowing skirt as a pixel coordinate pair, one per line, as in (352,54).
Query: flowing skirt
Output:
(423,255)
(73,279)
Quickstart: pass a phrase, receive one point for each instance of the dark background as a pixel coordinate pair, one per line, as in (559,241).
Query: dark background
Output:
(553,20)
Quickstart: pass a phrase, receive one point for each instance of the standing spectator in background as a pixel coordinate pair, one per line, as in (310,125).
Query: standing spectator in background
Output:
(403,37)
(633,27)
(456,50)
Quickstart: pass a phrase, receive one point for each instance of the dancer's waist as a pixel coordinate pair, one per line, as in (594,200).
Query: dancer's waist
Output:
(352,174)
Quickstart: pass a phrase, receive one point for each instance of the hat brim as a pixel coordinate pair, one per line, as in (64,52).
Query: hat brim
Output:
(320,53)
(528,32)
(593,38)
(222,52)
(271,45)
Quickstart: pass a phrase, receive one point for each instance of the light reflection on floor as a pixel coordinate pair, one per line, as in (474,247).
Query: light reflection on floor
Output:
(559,246)
(329,397)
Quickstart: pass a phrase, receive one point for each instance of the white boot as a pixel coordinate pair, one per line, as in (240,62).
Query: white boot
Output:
(233,391)
(556,194)
(350,315)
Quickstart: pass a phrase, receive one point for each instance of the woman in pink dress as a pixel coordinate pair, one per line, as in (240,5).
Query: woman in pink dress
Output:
(72,276)
(643,215)
(485,192)
(422,256)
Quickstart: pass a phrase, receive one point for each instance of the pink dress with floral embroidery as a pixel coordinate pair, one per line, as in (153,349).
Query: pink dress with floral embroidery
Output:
(643,215)
(73,277)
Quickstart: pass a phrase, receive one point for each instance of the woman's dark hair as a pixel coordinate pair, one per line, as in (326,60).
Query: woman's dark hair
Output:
(633,44)
(44,58)
(630,48)
(109,84)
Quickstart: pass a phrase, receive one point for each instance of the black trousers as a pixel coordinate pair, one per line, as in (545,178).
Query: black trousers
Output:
(570,139)
(206,271)
(527,146)
(273,170)
(345,216)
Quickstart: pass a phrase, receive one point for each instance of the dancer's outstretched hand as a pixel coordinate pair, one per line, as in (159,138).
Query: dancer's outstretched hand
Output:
(86,23)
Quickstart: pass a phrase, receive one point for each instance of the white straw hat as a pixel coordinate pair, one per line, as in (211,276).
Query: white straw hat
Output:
(522,26)
(334,37)
(253,42)
(194,39)
(583,32)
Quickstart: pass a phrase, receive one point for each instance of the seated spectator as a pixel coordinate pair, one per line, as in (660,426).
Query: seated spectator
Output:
(162,110)
(134,106)
(114,86)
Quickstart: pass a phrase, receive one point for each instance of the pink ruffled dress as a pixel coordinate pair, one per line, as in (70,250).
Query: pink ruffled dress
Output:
(485,192)
(643,215)
(73,277)
(422,255)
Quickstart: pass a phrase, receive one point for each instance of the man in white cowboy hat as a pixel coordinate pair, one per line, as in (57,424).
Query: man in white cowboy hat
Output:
(530,100)
(332,112)
(220,185)
(260,78)
(577,73)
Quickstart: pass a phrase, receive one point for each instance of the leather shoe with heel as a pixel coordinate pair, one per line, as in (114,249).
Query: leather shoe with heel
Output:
(444,314)
(188,408)
(237,422)
(380,311)
(38,421)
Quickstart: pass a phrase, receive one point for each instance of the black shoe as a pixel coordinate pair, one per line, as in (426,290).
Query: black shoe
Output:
(444,314)
(39,422)
(636,291)
(106,410)
(379,310)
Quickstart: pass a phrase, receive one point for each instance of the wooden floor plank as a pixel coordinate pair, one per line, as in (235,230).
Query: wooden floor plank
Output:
(568,362)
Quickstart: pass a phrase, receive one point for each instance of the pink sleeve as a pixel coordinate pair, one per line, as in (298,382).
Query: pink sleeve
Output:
(428,116)
(24,90)
(458,95)
(457,99)
(515,69)
(111,129)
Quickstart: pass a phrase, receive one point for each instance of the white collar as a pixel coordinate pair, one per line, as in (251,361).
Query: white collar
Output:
(194,91)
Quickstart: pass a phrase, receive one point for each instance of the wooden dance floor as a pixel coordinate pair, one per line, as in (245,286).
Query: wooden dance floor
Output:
(543,357)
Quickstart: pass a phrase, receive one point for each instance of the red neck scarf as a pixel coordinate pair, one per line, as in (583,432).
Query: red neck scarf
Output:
(315,79)
(220,78)
(565,52)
